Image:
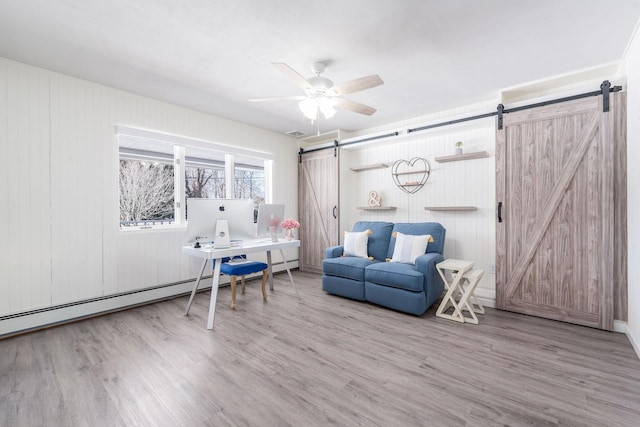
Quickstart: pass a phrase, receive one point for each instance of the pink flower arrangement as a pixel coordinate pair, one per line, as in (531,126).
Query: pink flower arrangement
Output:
(289,224)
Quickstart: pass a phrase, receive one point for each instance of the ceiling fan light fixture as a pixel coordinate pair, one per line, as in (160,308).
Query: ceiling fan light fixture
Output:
(321,96)
(309,108)
(326,107)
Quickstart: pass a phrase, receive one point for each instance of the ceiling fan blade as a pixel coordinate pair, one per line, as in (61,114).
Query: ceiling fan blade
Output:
(292,75)
(356,85)
(278,98)
(356,107)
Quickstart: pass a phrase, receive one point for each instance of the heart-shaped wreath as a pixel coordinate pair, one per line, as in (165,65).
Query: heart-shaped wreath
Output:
(414,173)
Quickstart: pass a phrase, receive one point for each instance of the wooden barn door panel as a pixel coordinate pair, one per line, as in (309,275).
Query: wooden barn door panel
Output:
(318,206)
(555,180)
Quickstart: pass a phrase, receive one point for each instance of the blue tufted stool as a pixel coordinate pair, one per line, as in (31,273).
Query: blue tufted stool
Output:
(239,266)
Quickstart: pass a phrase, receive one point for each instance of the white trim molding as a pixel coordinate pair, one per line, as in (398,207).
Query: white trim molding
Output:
(189,142)
(17,323)
(634,342)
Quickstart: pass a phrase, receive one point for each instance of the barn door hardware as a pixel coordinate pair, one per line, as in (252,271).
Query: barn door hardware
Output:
(606,89)
(500,112)
(605,95)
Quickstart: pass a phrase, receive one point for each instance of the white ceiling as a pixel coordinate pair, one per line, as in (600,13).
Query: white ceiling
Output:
(212,55)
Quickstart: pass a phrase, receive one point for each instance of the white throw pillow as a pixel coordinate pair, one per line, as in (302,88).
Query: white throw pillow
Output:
(355,243)
(409,247)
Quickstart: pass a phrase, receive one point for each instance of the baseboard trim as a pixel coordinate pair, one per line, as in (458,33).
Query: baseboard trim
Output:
(634,342)
(27,321)
(620,326)
(487,297)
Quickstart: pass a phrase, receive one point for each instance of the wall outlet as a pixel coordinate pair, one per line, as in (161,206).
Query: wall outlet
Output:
(492,268)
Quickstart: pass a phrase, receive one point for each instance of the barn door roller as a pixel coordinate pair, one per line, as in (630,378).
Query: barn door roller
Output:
(605,87)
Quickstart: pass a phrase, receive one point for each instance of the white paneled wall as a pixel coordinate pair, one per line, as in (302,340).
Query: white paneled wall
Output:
(470,235)
(25,209)
(632,68)
(59,213)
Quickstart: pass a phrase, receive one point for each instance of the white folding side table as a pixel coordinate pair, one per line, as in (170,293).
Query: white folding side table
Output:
(458,268)
(469,302)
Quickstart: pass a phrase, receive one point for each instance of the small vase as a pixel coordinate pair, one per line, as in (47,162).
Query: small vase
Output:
(274,236)
(458,151)
(290,233)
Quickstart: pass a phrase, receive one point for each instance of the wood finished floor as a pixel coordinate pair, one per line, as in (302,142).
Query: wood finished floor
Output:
(320,360)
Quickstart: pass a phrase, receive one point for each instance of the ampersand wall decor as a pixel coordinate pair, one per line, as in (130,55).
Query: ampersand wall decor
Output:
(410,175)
(375,201)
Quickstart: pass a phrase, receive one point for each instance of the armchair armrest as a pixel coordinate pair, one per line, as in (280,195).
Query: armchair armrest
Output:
(333,252)
(426,264)
(433,284)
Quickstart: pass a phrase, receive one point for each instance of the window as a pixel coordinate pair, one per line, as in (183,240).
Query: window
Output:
(248,179)
(147,188)
(159,171)
(204,174)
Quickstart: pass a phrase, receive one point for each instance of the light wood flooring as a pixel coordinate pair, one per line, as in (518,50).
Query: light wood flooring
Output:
(320,360)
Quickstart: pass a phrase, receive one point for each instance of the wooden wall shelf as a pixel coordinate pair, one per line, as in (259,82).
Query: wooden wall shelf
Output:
(369,167)
(377,208)
(450,208)
(457,157)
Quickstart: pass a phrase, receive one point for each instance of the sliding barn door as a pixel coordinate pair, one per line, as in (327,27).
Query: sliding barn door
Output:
(555,179)
(318,206)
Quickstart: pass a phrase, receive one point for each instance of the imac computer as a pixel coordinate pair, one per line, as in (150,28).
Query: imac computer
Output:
(203,214)
(269,219)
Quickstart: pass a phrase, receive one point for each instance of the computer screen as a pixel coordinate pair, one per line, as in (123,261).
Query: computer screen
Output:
(202,215)
(269,216)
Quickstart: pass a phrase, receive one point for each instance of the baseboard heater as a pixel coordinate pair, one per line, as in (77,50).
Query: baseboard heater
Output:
(30,320)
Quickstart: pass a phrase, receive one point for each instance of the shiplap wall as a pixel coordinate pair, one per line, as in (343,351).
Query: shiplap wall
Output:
(632,71)
(470,235)
(59,212)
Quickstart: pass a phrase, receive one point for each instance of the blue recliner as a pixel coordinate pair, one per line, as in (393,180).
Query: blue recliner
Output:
(400,286)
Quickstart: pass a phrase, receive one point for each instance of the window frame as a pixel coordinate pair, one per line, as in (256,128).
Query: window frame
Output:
(179,144)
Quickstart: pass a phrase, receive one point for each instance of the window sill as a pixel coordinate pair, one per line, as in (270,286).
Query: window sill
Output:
(157,228)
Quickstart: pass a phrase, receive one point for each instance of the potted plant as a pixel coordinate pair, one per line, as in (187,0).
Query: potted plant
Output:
(458,147)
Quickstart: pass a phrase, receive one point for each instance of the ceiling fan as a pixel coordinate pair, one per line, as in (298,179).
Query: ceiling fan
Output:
(321,96)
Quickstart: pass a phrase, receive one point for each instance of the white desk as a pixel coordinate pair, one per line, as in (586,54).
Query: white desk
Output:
(247,247)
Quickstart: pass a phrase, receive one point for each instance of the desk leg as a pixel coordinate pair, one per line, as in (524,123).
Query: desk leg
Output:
(270,271)
(286,265)
(195,288)
(214,293)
